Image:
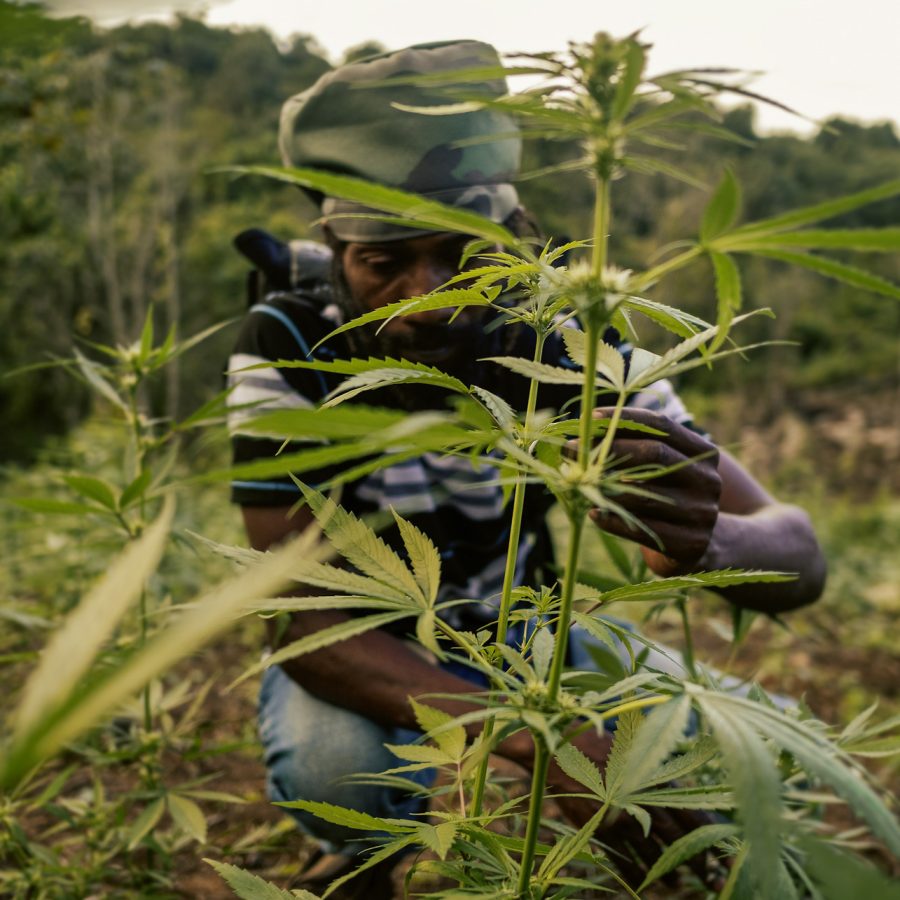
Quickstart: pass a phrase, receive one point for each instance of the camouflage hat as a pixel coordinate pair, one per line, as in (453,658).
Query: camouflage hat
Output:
(348,123)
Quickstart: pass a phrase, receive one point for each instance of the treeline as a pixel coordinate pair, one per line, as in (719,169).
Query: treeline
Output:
(109,206)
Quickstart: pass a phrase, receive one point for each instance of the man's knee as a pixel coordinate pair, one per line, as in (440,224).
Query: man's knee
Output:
(312,748)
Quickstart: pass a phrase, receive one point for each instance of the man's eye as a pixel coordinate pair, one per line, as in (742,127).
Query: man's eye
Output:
(379,261)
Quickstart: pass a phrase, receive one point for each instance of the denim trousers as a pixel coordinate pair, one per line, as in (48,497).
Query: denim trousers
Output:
(310,746)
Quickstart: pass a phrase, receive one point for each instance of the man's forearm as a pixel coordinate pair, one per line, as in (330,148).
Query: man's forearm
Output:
(776,538)
(375,674)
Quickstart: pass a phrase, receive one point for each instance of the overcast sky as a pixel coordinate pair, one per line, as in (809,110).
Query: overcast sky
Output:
(822,57)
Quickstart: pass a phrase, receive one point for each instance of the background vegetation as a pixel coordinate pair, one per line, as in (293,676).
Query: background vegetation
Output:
(106,210)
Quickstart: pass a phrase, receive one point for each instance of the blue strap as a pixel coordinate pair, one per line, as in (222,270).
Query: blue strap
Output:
(295,333)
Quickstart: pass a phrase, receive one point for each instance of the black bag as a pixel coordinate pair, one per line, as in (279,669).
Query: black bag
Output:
(298,266)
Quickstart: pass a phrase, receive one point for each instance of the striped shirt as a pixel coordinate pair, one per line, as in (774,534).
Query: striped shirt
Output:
(459,505)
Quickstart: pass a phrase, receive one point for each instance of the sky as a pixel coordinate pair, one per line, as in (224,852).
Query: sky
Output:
(821,57)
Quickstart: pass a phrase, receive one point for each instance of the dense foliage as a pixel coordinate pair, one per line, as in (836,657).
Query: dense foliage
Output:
(106,206)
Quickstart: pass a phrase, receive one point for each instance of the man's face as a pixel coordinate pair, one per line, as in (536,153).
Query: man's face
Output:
(378,274)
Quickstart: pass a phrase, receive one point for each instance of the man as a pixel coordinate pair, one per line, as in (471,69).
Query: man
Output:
(326,715)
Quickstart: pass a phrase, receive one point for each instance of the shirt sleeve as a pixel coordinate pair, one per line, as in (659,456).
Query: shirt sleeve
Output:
(281,328)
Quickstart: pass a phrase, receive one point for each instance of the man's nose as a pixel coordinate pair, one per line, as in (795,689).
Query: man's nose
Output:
(423,278)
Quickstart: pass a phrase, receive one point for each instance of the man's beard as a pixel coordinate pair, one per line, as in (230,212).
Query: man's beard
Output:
(466,334)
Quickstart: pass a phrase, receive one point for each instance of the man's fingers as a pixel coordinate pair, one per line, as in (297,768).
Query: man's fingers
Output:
(678,436)
(683,540)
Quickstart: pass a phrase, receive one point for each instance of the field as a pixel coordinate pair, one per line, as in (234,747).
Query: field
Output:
(839,656)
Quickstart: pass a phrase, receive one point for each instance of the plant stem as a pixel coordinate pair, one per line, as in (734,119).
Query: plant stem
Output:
(538,783)
(595,316)
(515,526)
(512,559)
(148,713)
(688,640)
(601,227)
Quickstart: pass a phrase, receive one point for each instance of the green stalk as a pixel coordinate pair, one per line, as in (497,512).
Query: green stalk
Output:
(688,640)
(515,527)
(538,784)
(577,513)
(512,558)
(576,528)
(601,226)
(148,714)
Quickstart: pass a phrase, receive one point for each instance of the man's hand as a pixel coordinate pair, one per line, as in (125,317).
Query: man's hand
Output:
(685,509)
(712,514)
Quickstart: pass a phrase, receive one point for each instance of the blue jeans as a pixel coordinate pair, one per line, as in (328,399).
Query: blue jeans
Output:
(310,746)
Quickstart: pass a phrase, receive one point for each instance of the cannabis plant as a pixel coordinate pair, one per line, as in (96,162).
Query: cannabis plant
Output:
(681,743)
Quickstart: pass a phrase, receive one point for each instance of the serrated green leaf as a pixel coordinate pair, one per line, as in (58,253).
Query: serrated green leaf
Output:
(91,373)
(187,816)
(666,587)
(684,763)
(360,546)
(668,362)
(874,747)
(425,633)
(838,271)
(136,489)
(707,797)
(421,753)
(620,752)
(145,822)
(343,631)
(423,556)
(565,850)
(391,849)
(444,109)
(728,294)
(146,344)
(723,208)
(93,488)
(373,380)
(53,507)
(215,796)
(650,165)
(352,420)
(349,818)
(687,847)
(873,240)
(675,320)
(439,838)
(334,578)
(826,762)
(818,212)
(629,79)
(391,200)
(757,787)
(656,737)
(70,653)
(248,886)
(502,413)
(542,372)
(450,298)
(542,652)
(577,766)
(435,722)
(839,875)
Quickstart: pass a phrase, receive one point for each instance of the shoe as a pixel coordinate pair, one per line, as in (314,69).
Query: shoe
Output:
(376,883)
